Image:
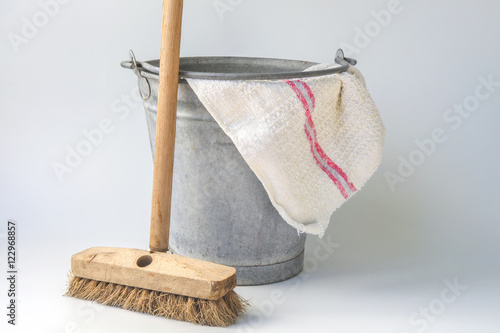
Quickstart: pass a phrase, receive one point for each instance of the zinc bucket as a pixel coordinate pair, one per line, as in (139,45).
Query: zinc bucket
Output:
(220,210)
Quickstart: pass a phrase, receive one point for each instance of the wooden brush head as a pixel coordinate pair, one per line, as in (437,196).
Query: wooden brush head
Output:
(162,272)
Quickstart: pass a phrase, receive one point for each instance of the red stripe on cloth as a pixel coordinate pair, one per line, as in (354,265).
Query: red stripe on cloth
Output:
(309,92)
(325,170)
(323,155)
(312,141)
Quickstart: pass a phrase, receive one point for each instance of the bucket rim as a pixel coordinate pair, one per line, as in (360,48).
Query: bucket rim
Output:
(150,69)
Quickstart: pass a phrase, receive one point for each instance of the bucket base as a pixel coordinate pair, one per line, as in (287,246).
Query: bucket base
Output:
(266,274)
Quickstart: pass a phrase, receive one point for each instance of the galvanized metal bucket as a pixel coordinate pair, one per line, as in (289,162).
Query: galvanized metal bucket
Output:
(220,210)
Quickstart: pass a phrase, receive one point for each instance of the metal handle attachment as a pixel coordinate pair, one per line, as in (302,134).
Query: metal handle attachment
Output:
(134,65)
(341,60)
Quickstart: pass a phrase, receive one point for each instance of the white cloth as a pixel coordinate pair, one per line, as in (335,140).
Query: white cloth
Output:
(312,142)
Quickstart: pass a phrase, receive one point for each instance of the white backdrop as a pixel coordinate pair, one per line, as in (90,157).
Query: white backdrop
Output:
(415,251)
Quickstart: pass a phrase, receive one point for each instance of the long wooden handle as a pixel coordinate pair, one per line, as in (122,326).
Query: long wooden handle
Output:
(165,125)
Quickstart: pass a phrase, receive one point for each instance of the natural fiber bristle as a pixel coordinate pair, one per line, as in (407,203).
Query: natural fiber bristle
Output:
(221,312)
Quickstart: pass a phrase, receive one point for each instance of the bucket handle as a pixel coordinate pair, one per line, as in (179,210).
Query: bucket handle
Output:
(134,65)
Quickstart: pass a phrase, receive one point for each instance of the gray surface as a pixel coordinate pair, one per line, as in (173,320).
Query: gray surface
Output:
(220,210)
(396,248)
